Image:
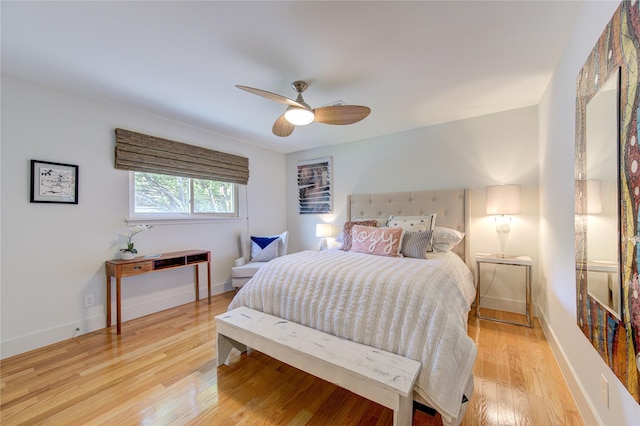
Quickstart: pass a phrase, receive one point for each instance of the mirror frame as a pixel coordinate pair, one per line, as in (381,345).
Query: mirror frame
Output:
(616,340)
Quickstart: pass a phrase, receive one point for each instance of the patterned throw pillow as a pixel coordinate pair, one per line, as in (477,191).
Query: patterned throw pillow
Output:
(346,232)
(413,223)
(377,241)
(264,249)
(381,222)
(416,244)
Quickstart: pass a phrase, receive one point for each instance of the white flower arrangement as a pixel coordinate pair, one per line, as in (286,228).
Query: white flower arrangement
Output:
(133,230)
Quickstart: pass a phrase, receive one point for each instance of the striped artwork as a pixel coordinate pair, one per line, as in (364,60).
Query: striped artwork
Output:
(314,186)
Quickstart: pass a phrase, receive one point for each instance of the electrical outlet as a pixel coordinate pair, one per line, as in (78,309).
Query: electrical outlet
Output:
(604,390)
(88,300)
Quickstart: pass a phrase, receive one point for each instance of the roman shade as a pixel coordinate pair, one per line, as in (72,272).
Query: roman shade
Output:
(144,153)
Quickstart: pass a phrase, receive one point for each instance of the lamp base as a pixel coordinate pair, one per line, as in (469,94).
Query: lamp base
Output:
(503,223)
(503,228)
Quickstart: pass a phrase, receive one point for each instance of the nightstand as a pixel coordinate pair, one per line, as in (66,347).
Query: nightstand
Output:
(524,261)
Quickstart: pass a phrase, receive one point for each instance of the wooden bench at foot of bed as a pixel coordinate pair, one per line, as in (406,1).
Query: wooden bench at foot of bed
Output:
(379,376)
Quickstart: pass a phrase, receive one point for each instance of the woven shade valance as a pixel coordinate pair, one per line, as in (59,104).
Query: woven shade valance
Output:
(144,153)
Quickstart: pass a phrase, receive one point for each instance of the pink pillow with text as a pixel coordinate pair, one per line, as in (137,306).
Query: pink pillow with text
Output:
(346,231)
(377,241)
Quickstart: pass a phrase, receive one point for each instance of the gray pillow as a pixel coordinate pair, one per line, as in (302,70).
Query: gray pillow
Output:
(416,243)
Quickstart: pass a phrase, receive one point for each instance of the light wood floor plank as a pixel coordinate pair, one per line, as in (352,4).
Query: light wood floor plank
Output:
(162,370)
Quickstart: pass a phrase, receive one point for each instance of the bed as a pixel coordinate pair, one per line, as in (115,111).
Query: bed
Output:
(417,308)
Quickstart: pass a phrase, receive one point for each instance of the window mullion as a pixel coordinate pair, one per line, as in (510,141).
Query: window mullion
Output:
(191,197)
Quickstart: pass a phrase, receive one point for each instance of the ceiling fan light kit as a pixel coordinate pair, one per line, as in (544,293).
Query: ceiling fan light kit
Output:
(299,116)
(299,113)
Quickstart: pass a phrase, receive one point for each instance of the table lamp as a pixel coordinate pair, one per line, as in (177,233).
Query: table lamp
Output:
(503,201)
(324,231)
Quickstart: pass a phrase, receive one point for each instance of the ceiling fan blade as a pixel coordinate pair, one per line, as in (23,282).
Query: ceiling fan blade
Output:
(271,96)
(282,127)
(341,114)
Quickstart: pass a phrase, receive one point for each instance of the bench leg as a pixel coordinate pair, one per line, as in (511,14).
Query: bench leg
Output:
(225,344)
(404,415)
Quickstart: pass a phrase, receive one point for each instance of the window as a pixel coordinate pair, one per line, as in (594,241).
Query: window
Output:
(172,180)
(164,196)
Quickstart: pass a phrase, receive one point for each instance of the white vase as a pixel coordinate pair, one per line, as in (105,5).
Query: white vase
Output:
(127,255)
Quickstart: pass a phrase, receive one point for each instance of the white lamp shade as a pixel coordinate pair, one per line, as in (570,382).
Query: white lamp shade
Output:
(298,116)
(503,199)
(324,230)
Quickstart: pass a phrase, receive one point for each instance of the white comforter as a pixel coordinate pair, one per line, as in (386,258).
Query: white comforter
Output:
(412,307)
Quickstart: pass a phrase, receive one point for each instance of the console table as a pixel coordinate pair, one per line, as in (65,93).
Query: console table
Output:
(144,265)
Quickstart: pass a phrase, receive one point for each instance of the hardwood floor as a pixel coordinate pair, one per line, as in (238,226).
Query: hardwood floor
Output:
(162,370)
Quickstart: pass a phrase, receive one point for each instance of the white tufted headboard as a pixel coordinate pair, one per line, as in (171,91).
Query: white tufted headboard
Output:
(451,205)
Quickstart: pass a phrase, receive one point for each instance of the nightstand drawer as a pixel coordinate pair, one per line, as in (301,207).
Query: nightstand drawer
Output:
(137,268)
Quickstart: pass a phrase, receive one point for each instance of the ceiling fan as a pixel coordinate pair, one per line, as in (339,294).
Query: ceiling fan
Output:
(299,113)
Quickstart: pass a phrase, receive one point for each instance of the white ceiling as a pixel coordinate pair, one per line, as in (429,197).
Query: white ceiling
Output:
(414,64)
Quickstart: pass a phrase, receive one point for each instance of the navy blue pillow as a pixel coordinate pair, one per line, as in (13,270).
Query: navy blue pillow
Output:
(263,241)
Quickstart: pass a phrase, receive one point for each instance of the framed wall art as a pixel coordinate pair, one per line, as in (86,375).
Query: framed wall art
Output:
(314,186)
(54,182)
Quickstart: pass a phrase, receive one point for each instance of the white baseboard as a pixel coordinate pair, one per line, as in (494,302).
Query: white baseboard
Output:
(586,409)
(49,336)
(142,307)
(96,320)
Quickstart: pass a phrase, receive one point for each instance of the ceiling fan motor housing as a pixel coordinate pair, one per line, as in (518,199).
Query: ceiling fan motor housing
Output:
(299,86)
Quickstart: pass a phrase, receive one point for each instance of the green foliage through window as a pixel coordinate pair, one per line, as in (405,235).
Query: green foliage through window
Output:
(164,194)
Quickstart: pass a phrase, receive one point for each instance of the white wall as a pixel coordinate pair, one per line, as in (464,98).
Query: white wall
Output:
(54,254)
(475,153)
(582,365)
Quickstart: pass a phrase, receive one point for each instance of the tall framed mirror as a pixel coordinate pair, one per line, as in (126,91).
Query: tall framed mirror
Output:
(607,178)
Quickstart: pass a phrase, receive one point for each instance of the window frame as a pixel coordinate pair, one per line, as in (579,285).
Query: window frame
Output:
(191,217)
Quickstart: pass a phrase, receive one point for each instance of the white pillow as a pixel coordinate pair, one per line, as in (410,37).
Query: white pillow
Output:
(445,239)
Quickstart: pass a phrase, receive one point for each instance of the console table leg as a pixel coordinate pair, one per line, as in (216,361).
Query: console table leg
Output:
(108,301)
(197,283)
(119,305)
(209,280)
(528,298)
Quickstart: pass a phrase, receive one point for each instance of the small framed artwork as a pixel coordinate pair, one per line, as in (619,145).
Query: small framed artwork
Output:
(54,182)
(314,186)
